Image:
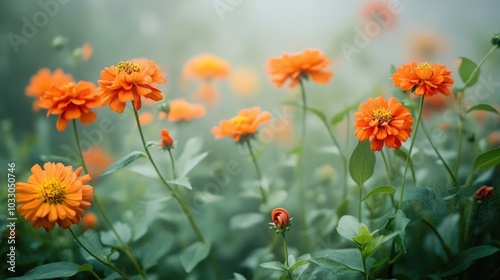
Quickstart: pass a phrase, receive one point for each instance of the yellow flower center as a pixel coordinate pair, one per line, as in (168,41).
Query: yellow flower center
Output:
(53,191)
(424,65)
(128,67)
(382,115)
(239,120)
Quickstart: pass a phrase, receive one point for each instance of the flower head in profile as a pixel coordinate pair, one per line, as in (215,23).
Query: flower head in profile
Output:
(71,101)
(205,69)
(281,220)
(54,194)
(244,125)
(383,123)
(129,81)
(44,80)
(423,79)
(483,192)
(305,65)
(166,140)
(206,66)
(181,110)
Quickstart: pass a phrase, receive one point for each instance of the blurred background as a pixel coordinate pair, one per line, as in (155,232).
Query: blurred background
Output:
(361,38)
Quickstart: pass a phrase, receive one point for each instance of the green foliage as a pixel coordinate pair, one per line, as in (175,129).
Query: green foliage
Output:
(194,254)
(124,161)
(362,163)
(110,239)
(465,259)
(466,69)
(54,270)
(487,160)
(190,156)
(397,224)
(483,107)
(380,190)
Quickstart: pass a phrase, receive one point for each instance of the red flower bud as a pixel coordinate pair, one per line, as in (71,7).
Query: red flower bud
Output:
(166,141)
(484,192)
(281,218)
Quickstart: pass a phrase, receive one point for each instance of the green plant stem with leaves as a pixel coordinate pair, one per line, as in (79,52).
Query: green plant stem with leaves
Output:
(257,169)
(97,258)
(285,251)
(461,117)
(421,106)
(125,247)
(387,168)
(182,203)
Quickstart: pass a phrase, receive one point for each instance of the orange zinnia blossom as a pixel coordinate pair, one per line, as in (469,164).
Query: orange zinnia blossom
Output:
(424,79)
(310,63)
(90,221)
(281,218)
(245,123)
(129,81)
(383,123)
(44,80)
(52,195)
(71,101)
(97,160)
(166,140)
(380,12)
(181,110)
(206,66)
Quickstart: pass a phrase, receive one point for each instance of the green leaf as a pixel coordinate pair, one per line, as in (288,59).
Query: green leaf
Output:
(244,221)
(337,117)
(333,265)
(183,182)
(380,190)
(90,239)
(124,161)
(488,159)
(51,271)
(468,257)
(348,227)
(110,239)
(397,224)
(153,247)
(364,236)
(86,267)
(362,163)
(274,265)
(238,276)
(465,70)
(393,69)
(190,157)
(483,107)
(350,258)
(194,254)
(372,247)
(297,264)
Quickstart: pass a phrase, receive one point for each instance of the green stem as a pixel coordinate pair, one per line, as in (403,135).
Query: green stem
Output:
(360,199)
(387,168)
(126,248)
(259,174)
(455,181)
(459,148)
(366,273)
(174,173)
(409,151)
(446,248)
(95,257)
(285,250)
(465,213)
(300,164)
(184,206)
(345,159)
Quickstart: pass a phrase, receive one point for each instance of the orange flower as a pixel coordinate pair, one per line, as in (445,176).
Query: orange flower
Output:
(166,141)
(206,66)
(146,118)
(129,81)
(423,79)
(483,193)
(54,194)
(244,82)
(71,101)
(90,221)
(44,80)
(207,92)
(181,110)
(281,218)
(425,45)
(310,63)
(96,159)
(383,123)
(245,124)
(380,12)
(87,51)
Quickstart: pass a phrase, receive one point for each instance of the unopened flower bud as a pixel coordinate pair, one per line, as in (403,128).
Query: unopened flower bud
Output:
(281,220)
(59,42)
(166,141)
(483,193)
(495,40)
